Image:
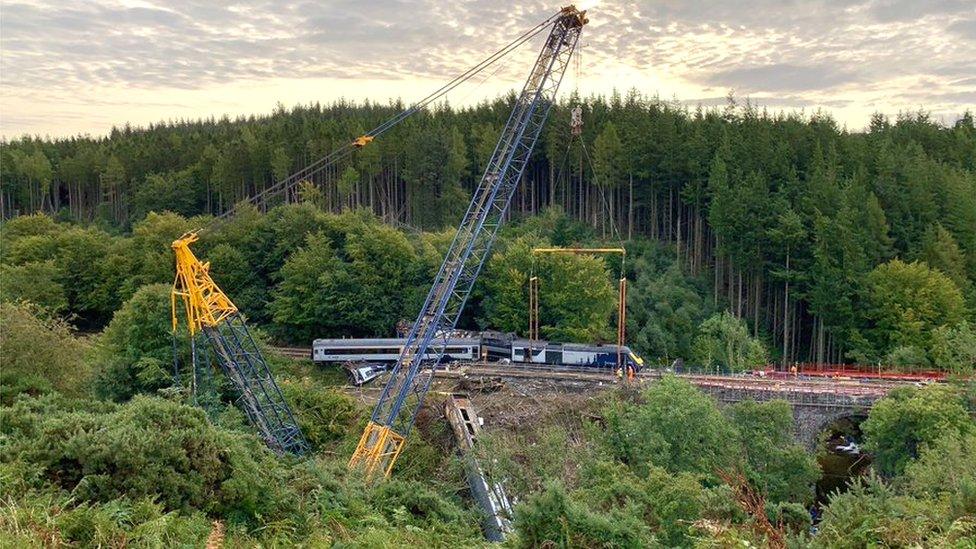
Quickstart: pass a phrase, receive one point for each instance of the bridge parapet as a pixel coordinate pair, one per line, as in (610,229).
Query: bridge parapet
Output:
(815,407)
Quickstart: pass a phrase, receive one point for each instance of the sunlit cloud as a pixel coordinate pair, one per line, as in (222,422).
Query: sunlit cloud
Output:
(84,66)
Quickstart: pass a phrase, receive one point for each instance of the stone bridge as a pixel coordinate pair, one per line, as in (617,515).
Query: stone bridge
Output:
(816,405)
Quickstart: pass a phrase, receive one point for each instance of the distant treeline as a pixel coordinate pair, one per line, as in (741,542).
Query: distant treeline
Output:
(802,228)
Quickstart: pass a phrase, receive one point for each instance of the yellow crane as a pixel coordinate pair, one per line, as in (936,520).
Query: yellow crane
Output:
(210,313)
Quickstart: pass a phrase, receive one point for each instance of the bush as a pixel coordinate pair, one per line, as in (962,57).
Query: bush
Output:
(903,422)
(148,448)
(779,467)
(553,518)
(39,355)
(872,514)
(36,283)
(724,342)
(325,415)
(676,427)
(946,472)
(136,349)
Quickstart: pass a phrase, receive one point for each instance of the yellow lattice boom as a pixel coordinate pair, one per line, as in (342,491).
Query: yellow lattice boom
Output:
(205,303)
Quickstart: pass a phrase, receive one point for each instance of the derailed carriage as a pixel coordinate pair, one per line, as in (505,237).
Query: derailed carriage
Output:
(366,358)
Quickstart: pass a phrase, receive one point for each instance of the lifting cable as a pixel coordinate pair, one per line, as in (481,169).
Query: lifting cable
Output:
(345,150)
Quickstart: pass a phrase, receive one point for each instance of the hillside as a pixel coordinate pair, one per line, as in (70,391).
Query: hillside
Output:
(99,449)
(788,218)
(751,240)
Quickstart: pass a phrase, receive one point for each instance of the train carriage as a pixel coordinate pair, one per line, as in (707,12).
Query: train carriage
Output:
(383,350)
(491,346)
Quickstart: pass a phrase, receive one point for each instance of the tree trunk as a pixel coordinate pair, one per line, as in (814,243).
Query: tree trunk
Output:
(786,310)
(630,210)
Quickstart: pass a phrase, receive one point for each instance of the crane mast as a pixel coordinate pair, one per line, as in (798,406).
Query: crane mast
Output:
(210,312)
(394,414)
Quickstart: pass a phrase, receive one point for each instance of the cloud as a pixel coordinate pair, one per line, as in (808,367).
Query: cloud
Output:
(809,52)
(965,28)
(783,77)
(901,10)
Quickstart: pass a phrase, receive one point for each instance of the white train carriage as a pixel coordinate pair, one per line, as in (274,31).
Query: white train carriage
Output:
(387,350)
(573,354)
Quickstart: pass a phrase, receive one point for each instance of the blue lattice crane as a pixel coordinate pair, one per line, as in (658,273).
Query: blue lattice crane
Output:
(383,439)
(211,314)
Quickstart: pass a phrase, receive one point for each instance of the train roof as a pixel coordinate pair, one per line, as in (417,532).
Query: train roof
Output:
(592,347)
(386,341)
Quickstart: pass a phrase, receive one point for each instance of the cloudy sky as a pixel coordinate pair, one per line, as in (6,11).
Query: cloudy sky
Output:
(84,66)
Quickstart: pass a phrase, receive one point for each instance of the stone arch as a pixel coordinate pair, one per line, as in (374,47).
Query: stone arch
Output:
(834,416)
(811,421)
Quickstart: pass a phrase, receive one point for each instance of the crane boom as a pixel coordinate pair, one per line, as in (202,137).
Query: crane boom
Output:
(394,414)
(209,311)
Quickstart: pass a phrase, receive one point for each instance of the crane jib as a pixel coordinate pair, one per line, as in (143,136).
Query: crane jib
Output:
(394,414)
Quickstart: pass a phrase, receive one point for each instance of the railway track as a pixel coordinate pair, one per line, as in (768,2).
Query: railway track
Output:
(301,353)
(569,373)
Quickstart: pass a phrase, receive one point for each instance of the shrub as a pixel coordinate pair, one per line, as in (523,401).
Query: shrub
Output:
(325,415)
(553,518)
(39,354)
(36,283)
(724,342)
(900,424)
(149,447)
(676,427)
(136,349)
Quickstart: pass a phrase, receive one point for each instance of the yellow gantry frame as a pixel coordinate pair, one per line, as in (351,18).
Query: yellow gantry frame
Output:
(621,295)
(380,445)
(205,303)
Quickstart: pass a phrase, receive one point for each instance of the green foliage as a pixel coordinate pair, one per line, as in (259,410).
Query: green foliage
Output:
(154,472)
(872,514)
(674,426)
(358,280)
(776,465)
(906,356)
(553,518)
(134,348)
(608,157)
(46,519)
(733,188)
(347,182)
(40,354)
(907,301)
(908,419)
(945,472)
(77,254)
(147,448)
(22,226)
(954,349)
(664,308)
(940,250)
(34,282)
(724,342)
(171,192)
(325,415)
(576,297)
